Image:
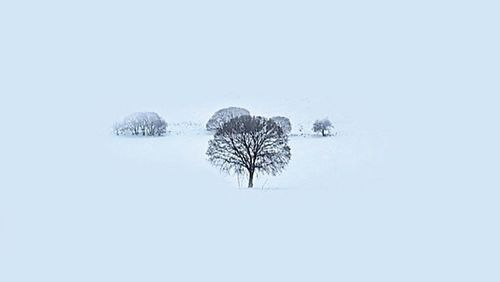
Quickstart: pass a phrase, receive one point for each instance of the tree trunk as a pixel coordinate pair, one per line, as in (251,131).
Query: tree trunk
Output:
(250,179)
(323,132)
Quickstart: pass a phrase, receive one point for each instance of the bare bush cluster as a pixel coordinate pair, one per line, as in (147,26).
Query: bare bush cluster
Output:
(141,124)
(324,126)
(284,123)
(224,115)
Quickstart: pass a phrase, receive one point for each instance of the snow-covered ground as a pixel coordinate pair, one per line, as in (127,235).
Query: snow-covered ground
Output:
(85,205)
(91,206)
(154,209)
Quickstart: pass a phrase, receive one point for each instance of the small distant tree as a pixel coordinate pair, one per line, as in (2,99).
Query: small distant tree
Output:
(284,123)
(144,123)
(324,126)
(249,145)
(224,115)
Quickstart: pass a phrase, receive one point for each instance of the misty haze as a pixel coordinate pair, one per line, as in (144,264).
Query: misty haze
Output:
(249,141)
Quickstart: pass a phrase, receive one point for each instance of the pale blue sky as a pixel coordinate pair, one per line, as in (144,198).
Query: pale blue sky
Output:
(374,59)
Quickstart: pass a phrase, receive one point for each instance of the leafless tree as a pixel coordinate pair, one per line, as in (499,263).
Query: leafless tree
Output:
(323,126)
(249,145)
(284,123)
(224,115)
(145,124)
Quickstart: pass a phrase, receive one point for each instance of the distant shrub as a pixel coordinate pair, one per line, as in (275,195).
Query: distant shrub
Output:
(224,115)
(284,123)
(324,126)
(141,124)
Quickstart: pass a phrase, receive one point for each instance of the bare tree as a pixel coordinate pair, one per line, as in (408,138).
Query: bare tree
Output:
(145,124)
(284,123)
(224,115)
(249,145)
(324,126)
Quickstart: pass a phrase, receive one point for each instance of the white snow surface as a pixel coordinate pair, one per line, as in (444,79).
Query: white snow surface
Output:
(154,209)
